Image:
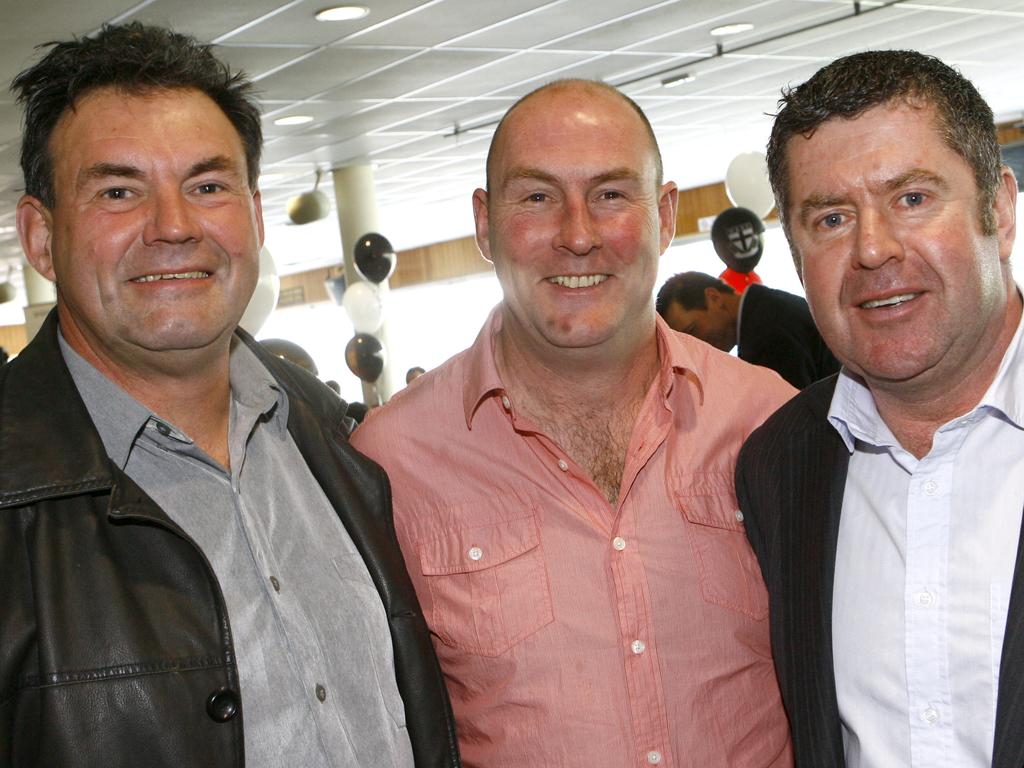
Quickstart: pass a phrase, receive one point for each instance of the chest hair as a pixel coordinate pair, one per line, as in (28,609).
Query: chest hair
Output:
(596,440)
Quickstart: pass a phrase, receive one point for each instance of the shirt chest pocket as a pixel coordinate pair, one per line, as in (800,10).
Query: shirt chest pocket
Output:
(727,567)
(488,585)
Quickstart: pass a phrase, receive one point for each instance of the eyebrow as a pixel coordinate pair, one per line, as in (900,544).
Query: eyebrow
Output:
(913,176)
(106,170)
(215,163)
(535,174)
(118,170)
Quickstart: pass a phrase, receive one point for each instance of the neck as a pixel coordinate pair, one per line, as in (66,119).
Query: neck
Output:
(597,377)
(586,403)
(188,388)
(913,412)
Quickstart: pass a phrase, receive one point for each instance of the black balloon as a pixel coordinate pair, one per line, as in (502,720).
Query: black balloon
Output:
(738,237)
(364,355)
(375,258)
(289,350)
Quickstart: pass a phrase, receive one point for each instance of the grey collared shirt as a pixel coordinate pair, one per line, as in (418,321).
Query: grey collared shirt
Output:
(315,660)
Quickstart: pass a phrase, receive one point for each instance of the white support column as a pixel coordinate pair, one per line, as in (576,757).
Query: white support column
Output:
(357,214)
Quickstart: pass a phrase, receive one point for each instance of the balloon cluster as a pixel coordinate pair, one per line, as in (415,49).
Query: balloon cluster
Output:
(375,262)
(738,233)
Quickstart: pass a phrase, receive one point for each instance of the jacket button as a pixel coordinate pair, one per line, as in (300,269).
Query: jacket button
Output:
(222,705)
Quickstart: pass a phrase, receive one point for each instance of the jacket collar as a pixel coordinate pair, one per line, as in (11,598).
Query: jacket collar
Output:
(41,407)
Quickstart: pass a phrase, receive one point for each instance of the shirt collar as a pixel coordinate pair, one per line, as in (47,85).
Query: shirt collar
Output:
(854,415)
(482,380)
(120,418)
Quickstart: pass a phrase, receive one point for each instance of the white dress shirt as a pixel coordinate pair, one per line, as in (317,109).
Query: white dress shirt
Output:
(924,565)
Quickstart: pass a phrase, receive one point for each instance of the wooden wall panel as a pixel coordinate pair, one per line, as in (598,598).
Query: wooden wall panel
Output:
(442,261)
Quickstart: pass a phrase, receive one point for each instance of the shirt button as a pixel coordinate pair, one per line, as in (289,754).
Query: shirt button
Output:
(275,583)
(619,543)
(924,599)
(930,487)
(506,402)
(638,647)
(654,757)
(563,465)
(163,429)
(930,715)
(321,692)
(739,516)
(475,553)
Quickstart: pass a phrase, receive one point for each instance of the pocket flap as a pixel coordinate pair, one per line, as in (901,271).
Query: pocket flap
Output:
(717,511)
(475,549)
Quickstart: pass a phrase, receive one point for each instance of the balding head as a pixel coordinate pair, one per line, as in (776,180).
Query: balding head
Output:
(594,88)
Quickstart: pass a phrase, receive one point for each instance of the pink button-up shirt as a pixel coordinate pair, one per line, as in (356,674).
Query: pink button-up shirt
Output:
(572,632)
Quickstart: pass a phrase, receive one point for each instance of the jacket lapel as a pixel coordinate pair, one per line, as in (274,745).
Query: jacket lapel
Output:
(1008,751)
(819,470)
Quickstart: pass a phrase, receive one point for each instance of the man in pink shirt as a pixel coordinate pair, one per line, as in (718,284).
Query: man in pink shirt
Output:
(563,489)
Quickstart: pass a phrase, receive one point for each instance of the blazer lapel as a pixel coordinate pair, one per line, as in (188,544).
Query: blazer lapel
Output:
(819,484)
(1008,751)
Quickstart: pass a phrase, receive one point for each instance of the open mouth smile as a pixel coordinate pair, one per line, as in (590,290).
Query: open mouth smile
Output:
(171,276)
(577,281)
(890,301)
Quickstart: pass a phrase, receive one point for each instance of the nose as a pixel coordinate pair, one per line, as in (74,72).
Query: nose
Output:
(877,241)
(577,230)
(171,219)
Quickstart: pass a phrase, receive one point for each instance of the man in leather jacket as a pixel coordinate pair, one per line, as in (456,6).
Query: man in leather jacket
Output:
(197,568)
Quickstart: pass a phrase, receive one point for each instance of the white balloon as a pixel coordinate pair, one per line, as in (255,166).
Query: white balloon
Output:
(264,298)
(363,305)
(746,182)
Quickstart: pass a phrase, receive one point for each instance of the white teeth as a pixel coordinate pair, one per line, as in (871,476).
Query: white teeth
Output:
(889,302)
(577,281)
(174,276)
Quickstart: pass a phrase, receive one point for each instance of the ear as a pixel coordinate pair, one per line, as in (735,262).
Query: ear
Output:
(1005,207)
(483,226)
(257,202)
(668,200)
(712,296)
(35,230)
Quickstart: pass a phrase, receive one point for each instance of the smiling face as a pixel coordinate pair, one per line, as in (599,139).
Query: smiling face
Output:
(154,236)
(575,221)
(904,286)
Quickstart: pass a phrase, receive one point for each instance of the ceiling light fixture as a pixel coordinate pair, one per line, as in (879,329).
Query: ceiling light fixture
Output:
(294,120)
(309,206)
(732,29)
(342,13)
(672,82)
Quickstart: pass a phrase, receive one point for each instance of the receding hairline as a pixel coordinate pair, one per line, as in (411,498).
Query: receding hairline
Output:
(579,85)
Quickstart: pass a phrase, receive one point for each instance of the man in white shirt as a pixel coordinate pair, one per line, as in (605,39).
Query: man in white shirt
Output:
(884,504)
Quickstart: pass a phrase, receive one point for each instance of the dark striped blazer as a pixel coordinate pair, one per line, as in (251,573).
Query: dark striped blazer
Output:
(790,479)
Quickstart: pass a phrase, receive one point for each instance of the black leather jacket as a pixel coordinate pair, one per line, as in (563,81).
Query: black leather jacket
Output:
(115,645)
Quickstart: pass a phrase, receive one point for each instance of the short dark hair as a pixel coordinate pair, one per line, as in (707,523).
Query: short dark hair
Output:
(565,84)
(687,289)
(850,86)
(133,58)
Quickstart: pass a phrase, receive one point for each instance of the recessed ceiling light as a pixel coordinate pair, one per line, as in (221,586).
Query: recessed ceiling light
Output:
(342,13)
(684,77)
(732,29)
(294,120)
